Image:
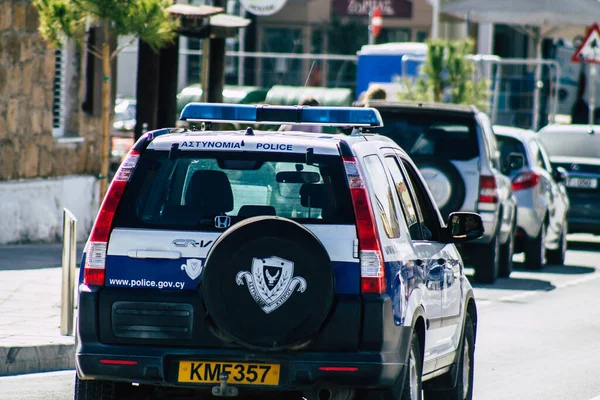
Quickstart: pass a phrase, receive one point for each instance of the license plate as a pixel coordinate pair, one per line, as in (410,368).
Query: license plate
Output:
(583,183)
(239,373)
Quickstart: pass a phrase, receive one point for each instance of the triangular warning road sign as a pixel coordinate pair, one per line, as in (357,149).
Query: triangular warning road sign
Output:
(589,49)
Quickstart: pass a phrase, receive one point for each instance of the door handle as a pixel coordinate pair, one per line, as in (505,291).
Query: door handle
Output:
(171,255)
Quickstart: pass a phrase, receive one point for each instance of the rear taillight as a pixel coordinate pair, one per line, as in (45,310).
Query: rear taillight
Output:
(488,189)
(372,271)
(95,257)
(525,180)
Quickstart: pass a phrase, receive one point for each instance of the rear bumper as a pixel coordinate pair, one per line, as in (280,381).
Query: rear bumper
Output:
(160,366)
(380,355)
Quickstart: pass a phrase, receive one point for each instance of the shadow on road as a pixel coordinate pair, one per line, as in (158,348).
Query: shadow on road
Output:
(556,269)
(34,256)
(526,284)
(583,246)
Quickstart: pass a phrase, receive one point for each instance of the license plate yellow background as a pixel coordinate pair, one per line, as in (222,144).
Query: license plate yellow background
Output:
(239,373)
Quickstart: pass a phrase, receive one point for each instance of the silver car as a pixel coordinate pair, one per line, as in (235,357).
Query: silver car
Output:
(542,202)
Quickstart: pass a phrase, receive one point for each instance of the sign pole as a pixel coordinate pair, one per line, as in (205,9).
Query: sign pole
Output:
(375,22)
(371,36)
(592,96)
(587,53)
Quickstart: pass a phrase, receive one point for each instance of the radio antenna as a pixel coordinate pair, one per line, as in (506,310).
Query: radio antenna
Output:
(309,73)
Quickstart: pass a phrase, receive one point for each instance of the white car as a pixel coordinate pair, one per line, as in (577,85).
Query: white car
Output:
(542,201)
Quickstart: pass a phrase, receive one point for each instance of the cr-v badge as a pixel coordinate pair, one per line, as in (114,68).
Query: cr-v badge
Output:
(271,282)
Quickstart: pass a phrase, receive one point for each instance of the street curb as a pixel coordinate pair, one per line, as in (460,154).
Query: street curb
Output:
(31,359)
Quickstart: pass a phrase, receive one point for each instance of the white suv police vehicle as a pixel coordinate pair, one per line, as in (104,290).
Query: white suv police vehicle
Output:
(257,263)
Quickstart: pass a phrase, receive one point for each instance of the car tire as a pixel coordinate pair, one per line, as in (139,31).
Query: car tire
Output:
(507,250)
(486,260)
(447,172)
(94,390)
(463,390)
(267,284)
(413,384)
(557,256)
(535,250)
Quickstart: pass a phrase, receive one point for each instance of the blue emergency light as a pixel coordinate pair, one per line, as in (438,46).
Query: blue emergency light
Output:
(278,115)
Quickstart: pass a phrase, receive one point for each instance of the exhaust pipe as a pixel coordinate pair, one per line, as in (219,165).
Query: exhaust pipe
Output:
(324,394)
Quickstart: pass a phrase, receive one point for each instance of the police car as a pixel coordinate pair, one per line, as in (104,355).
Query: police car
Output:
(256,263)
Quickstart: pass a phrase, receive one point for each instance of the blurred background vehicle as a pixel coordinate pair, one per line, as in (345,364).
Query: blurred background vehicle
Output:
(455,149)
(122,133)
(576,148)
(542,201)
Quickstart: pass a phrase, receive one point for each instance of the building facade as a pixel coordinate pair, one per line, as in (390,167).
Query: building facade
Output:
(49,144)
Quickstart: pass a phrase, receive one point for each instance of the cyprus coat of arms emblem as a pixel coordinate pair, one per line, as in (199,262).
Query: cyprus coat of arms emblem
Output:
(271,282)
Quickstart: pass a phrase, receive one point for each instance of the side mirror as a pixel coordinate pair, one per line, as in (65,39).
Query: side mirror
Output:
(463,226)
(560,174)
(515,161)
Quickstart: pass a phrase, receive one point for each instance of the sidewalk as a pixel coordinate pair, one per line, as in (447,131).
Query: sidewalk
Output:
(30,297)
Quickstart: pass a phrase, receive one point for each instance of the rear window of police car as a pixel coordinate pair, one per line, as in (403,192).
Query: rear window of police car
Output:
(190,190)
(431,133)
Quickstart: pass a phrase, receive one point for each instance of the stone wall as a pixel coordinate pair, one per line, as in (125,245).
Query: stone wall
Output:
(27,66)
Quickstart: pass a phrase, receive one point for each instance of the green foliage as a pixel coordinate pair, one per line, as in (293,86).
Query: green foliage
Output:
(145,19)
(448,70)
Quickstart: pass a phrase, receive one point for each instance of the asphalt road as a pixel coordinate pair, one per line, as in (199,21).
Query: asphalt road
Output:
(538,336)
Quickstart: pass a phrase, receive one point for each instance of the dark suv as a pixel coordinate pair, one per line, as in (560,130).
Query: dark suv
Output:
(456,151)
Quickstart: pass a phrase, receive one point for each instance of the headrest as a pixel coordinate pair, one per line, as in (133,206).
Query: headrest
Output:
(253,211)
(210,191)
(315,195)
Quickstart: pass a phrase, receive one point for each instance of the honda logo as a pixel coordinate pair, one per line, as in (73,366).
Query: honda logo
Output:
(222,221)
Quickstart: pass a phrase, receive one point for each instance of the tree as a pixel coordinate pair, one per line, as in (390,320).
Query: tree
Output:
(447,72)
(147,20)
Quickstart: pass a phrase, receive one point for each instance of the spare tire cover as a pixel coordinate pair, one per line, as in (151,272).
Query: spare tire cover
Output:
(268,283)
(445,183)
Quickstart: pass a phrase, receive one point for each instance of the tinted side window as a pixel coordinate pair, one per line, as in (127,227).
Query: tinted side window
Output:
(537,155)
(545,156)
(428,209)
(382,196)
(406,201)
(510,145)
(490,138)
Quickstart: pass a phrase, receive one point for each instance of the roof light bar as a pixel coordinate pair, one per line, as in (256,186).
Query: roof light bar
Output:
(278,115)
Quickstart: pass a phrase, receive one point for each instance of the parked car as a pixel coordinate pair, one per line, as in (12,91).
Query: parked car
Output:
(455,149)
(122,137)
(542,201)
(197,280)
(576,148)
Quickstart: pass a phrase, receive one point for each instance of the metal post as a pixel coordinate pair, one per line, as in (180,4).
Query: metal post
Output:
(242,48)
(537,85)
(371,36)
(68,272)
(496,93)
(435,19)
(592,97)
